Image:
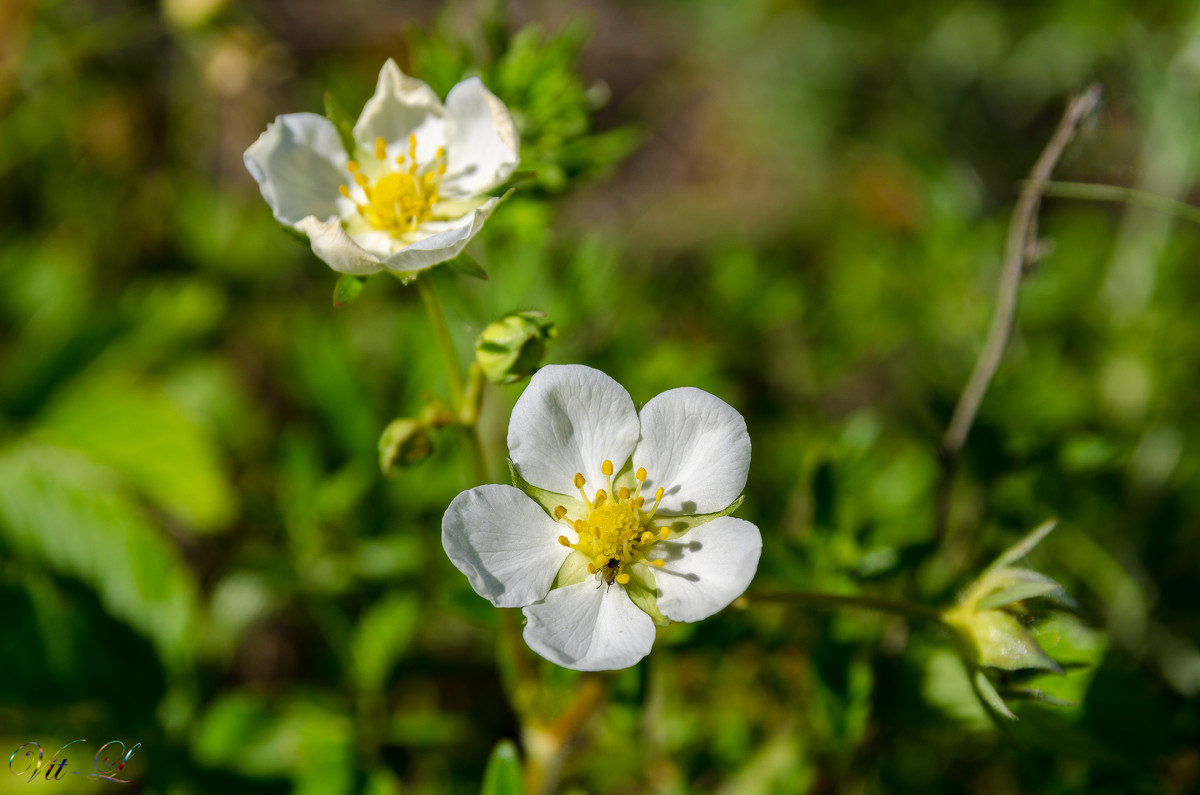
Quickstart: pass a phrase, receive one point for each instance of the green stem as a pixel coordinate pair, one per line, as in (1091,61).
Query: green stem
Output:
(828,601)
(441,331)
(1114,193)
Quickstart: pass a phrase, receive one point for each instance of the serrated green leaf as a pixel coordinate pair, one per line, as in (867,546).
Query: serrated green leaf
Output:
(465,264)
(343,122)
(347,288)
(988,695)
(503,773)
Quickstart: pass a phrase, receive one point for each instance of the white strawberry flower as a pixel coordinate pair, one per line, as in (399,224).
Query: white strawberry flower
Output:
(620,521)
(413,195)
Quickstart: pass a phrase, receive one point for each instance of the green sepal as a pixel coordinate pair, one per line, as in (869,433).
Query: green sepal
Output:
(572,572)
(295,234)
(487,346)
(347,288)
(342,123)
(644,593)
(988,695)
(1003,643)
(465,264)
(547,499)
(1021,548)
(678,524)
(1015,585)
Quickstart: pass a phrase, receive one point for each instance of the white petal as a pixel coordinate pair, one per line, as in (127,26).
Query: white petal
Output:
(482,147)
(505,544)
(401,106)
(298,164)
(707,568)
(443,245)
(571,419)
(588,628)
(331,243)
(695,446)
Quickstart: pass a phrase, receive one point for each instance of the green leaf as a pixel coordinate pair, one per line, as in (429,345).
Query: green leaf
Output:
(68,514)
(347,289)
(644,593)
(503,773)
(466,264)
(382,636)
(343,122)
(132,427)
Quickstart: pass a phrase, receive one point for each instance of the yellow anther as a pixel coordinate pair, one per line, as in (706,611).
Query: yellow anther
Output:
(360,179)
(647,536)
(352,166)
(592,569)
(441,170)
(623,494)
(579,480)
(658,495)
(399,160)
(638,502)
(600,560)
(601,497)
(607,468)
(580,525)
(563,540)
(380,148)
(623,579)
(665,533)
(441,152)
(640,474)
(658,563)
(559,511)
(412,145)
(345,191)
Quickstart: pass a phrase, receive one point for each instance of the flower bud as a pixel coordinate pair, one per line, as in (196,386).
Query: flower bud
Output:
(405,442)
(511,348)
(990,619)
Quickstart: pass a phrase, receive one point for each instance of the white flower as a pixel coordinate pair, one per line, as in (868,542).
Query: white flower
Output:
(595,572)
(413,194)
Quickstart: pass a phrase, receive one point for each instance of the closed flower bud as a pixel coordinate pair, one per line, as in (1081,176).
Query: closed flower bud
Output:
(405,442)
(511,348)
(988,618)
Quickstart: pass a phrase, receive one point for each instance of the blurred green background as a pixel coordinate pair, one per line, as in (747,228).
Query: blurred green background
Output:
(799,207)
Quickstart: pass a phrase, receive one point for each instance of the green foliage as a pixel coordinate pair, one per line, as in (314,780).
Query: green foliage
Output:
(799,209)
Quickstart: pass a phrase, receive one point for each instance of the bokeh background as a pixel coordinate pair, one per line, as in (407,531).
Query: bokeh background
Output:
(799,207)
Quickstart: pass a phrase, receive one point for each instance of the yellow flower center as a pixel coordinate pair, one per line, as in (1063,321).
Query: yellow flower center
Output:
(401,198)
(616,533)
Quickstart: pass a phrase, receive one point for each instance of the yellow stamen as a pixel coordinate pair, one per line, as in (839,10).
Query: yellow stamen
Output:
(607,468)
(623,579)
(665,533)
(380,149)
(640,475)
(658,563)
(601,498)
(592,569)
(647,536)
(623,494)
(579,480)
(559,511)
(361,180)
(352,166)
(345,191)
(563,540)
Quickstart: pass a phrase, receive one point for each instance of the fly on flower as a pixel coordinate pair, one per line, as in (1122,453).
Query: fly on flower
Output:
(619,520)
(411,195)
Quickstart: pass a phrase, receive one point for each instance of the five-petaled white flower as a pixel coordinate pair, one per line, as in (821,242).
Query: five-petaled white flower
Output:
(411,196)
(597,571)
